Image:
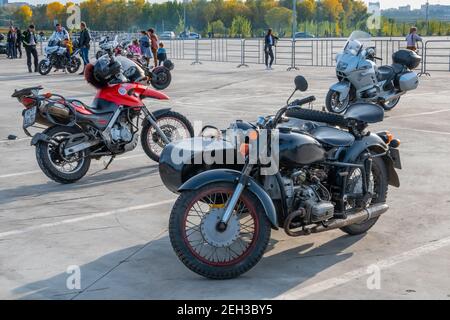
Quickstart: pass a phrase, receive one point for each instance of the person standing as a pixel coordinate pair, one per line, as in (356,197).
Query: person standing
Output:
(154,43)
(412,38)
(29,43)
(269,43)
(11,40)
(145,44)
(162,54)
(85,44)
(19,42)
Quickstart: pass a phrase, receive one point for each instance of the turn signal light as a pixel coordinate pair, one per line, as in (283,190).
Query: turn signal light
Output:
(389,137)
(253,135)
(47,95)
(244,149)
(395,143)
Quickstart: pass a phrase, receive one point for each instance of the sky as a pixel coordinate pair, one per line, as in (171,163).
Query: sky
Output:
(384,3)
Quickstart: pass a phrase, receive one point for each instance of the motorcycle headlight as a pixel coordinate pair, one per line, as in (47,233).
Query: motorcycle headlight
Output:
(342,65)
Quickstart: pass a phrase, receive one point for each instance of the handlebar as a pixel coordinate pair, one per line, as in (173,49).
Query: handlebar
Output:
(300,102)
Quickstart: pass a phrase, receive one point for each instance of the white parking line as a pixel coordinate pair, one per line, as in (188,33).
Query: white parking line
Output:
(301,293)
(417,114)
(18,174)
(422,131)
(84,218)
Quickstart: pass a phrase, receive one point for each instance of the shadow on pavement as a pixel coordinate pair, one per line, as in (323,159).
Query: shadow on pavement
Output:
(89,181)
(152,271)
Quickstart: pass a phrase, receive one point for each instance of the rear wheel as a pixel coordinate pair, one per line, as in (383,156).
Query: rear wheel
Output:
(44,67)
(174,125)
(389,105)
(209,252)
(334,104)
(52,161)
(378,186)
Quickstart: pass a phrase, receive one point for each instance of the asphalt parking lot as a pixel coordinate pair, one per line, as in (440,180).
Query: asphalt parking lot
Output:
(113,224)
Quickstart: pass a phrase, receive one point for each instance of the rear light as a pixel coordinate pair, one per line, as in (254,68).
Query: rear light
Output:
(28,102)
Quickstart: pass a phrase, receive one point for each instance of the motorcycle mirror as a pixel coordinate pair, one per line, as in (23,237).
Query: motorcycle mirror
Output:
(300,83)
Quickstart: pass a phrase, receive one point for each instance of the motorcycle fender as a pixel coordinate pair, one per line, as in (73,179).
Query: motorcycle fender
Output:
(160,112)
(38,137)
(232,176)
(343,88)
(376,145)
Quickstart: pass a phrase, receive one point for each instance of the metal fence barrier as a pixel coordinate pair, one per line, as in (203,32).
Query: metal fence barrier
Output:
(289,53)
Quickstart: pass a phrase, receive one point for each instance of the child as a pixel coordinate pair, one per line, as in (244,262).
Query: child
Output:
(135,48)
(162,54)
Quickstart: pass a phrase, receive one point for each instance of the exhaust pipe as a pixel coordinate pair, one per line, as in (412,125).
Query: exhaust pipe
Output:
(361,216)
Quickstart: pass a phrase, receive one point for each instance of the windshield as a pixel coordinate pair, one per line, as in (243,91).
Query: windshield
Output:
(356,42)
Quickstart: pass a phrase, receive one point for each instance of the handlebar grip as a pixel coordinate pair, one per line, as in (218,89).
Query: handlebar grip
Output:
(300,102)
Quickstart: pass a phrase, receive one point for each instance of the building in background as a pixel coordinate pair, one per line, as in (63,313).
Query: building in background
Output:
(3,2)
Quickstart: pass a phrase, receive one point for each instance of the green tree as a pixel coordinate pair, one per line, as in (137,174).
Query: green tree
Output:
(241,27)
(279,19)
(217,28)
(23,15)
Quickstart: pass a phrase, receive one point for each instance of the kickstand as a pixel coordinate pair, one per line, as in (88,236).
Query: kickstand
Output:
(109,162)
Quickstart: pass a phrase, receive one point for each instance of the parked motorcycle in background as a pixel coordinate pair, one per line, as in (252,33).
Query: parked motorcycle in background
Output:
(107,46)
(360,79)
(75,132)
(56,57)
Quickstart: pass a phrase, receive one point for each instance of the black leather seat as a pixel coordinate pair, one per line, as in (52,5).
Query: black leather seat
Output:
(333,137)
(99,107)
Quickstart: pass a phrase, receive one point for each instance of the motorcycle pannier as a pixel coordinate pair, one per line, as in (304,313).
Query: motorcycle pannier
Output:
(408,81)
(406,57)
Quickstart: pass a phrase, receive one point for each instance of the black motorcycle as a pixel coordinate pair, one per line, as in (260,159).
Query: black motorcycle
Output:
(331,172)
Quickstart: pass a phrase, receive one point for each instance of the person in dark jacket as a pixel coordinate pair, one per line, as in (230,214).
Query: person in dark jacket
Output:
(11,39)
(85,44)
(29,43)
(269,43)
(19,42)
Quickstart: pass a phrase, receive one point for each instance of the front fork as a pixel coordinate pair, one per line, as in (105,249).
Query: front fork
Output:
(231,204)
(149,116)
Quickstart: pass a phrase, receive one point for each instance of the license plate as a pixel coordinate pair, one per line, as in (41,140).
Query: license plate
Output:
(395,155)
(29,117)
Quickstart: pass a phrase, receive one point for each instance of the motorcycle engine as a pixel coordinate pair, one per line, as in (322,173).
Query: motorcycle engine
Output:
(304,191)
(121,132)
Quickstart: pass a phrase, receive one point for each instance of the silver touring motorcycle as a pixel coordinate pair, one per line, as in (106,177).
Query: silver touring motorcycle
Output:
(324,171)
(361,80)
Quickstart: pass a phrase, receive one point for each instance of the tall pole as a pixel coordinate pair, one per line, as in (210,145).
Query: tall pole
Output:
(426,17)
(294,19)
(184,18)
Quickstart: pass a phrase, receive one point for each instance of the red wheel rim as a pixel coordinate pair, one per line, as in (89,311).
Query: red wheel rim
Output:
(220,256)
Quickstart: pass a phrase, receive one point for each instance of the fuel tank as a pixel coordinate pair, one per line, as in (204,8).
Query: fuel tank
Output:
(297,149)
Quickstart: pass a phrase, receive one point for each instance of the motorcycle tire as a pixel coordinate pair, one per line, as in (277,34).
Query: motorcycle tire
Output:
(148,132)
(380,177)
(161,78)
(43,68)
(99,54)
(48,158)
(207,266)
(75,65)
(332,95)
(390,105)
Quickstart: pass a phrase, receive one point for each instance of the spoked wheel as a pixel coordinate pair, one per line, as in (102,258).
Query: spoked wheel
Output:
(209,250)
(54,163)
(44,67)
(378,186)
(334,104)
(74,65)
(174,125)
